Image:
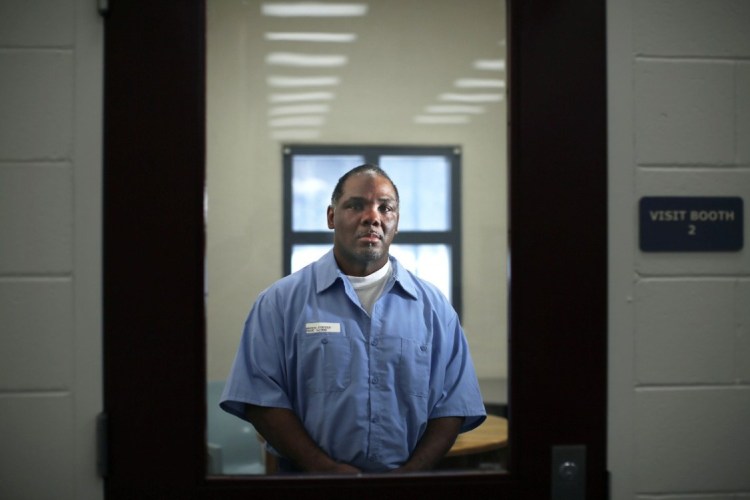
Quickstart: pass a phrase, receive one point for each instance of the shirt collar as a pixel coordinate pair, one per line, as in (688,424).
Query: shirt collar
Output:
(327,272)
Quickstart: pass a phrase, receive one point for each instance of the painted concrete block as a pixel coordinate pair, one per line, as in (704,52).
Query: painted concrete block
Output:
(36,104)
(40,23)
(694,182)
(743,113)
(36,345)
(38,446)
(692,440)
(715,28)
(685,331)
(685,112)
(742,306)
(36,219)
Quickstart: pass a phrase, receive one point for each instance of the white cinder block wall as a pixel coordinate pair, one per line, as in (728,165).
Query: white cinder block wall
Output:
(50,248)
(680,324)
(679,106)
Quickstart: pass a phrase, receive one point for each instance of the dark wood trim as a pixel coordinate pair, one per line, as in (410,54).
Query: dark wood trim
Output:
(154,157)
(558,199)
(154,345)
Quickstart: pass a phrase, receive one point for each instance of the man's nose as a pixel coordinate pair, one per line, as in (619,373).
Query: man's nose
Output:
(371,216)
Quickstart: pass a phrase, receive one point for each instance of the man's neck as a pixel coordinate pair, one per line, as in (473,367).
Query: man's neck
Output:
(360,270)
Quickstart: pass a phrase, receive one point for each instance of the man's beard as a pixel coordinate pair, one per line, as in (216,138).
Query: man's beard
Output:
(370,253)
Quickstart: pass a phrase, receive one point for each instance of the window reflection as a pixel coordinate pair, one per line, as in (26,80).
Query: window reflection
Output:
(424,185)
(400,78)
(312,179)
(429,262)
(426,196)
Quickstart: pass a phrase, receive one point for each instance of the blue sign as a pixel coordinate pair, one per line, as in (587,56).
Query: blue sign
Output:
(691,224)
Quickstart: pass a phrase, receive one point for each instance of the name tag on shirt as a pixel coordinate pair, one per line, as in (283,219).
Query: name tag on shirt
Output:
(311,328)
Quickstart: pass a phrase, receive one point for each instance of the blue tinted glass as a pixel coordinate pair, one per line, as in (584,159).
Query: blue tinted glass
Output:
(424,190)
(313,180)
(303,255)
(430,262)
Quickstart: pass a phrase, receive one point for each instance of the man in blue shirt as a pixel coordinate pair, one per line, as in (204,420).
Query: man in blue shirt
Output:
(353,364)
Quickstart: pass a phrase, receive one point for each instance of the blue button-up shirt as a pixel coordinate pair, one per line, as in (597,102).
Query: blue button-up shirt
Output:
(363,386)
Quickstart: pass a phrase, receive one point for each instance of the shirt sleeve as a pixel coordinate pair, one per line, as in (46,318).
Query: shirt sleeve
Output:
(257,375)
(460,395)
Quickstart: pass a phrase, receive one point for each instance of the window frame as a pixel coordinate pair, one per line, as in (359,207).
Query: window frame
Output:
(372,154)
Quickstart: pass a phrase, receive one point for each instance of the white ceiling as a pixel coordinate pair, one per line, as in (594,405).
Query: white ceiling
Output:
(396,63)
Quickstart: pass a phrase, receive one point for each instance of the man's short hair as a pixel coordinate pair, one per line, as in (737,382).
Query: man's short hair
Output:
(367,167)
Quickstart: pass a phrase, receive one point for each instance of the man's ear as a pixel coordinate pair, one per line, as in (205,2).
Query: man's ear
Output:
(329,216)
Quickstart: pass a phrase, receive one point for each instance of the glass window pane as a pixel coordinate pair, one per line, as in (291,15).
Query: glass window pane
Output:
(424,188)
(430,262)
(303,255)
(313,180)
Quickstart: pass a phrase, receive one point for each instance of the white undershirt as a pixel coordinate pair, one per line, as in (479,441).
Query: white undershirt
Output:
(370,287)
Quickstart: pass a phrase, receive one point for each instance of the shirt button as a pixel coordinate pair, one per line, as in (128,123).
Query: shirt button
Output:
(374,343)
(374,420)
(374,380)
(325,341)
(423,348)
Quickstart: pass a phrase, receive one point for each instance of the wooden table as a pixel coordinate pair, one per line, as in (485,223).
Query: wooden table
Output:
(491,435)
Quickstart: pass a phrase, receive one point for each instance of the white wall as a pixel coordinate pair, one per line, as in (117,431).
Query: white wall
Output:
(679,109)
(389,62)
(679,327)
(50,248)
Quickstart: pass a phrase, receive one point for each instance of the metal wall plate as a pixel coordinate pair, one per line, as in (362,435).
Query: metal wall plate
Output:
(569,472)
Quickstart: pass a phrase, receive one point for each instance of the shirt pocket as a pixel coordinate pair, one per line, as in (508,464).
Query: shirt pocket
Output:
(325,362)
(414,367)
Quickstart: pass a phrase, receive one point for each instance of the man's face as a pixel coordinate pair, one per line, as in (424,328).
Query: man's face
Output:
(364,220)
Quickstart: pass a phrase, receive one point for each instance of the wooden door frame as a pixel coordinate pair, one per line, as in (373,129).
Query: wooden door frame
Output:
(154,246)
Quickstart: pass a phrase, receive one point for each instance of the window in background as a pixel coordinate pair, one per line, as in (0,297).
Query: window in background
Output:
(428,181)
